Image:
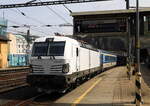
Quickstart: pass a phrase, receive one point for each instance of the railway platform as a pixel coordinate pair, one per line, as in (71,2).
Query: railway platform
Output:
(110,88)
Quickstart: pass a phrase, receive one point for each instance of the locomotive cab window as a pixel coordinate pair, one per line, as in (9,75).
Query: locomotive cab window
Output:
(48,48)
(40,49)
(56,49)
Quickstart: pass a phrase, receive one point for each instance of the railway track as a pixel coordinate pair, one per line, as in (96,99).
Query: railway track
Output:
(12,78)
(14,70)
(40,99)
(28,101)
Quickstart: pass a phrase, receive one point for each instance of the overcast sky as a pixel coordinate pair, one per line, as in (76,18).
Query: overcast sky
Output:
(37,17)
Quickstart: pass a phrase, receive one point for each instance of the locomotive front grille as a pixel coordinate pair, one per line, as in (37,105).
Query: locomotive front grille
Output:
(51,68)
(38,68)
(56,68)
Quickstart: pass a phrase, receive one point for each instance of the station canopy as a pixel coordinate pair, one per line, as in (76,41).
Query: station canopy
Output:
(113,13)
(110,26)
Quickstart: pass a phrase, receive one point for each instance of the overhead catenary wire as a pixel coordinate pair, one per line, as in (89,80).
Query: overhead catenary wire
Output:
(46,25)
(13,31)
(24,25)
(31,25)
(38,21)
(67,8)
(62,18)
(18,32)
(56,14)
(36,31)
(33,19)
(52,2)
(25,15)
(31,1)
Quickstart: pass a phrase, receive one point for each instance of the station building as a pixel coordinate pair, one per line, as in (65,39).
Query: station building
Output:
(17,55)
(109,30)
(3,43)
(18,49)
(17,45)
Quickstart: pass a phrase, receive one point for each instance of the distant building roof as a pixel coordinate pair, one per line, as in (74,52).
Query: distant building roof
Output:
(111,12)
(4,38)
(20,36)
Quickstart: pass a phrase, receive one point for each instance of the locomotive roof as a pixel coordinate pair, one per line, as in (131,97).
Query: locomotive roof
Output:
(57,38)
(68,39)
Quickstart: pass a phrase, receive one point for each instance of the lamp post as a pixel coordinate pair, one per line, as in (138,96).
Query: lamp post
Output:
(138,99)
(28,45)
(128,44)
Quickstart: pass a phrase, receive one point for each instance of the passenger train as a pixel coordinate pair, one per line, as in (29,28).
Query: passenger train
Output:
(60,62)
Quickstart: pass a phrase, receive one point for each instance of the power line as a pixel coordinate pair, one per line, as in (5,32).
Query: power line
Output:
(24,14)
(59,25)
(33,19)
(24,25)
(46,3)
(56,13)
(20,32)
(67,8)
(31,1)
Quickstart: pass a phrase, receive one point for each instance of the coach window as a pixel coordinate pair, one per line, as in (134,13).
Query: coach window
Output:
(77,51)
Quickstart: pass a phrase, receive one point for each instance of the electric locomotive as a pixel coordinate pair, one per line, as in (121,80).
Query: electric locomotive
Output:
(60,62)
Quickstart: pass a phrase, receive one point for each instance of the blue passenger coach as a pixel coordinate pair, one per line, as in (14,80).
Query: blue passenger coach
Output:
(108,59)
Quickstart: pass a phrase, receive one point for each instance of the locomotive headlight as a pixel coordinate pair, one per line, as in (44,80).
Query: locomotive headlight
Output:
(65,68)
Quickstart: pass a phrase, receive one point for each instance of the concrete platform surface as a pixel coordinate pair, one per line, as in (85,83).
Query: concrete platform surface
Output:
(111,88)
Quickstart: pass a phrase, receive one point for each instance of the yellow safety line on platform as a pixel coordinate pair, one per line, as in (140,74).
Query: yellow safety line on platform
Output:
(85,93)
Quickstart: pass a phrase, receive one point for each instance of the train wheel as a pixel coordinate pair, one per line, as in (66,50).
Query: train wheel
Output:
(77,83)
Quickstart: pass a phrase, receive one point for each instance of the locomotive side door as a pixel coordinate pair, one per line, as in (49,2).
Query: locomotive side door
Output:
(77,59)
(101,61)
